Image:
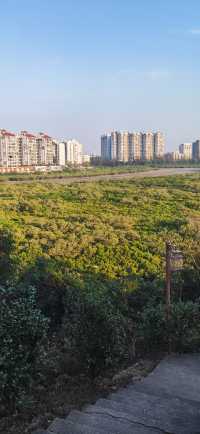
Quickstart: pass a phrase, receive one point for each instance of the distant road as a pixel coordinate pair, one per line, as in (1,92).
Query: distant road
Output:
(117,176)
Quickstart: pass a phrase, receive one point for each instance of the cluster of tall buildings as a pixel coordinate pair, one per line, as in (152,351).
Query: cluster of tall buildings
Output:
(30,150)
(131,146)
(69,152)
(186,151)
(26,151)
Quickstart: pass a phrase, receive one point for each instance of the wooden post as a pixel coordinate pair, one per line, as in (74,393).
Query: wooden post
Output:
(168,289)
(168,279)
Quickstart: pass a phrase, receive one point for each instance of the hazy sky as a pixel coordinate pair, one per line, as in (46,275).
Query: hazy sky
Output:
(80,68)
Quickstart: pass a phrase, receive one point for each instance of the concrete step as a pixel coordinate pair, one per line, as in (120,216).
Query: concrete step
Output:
(109,424)
(39,431)
(166,402)
(188,362)
(133,395)
(73,427)
(159,390)
(175,383)
(178,376)
(57,427)
(147,392)
(152,412)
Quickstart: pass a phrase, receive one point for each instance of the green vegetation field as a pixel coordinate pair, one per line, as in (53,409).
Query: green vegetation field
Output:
(82,279)
(113,229)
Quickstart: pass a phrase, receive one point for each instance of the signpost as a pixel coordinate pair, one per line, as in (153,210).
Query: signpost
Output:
(174,262)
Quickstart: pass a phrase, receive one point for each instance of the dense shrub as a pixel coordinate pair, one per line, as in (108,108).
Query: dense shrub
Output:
(185,326)
(182,329)
(112,236)
(7,245)
(191,273)
(49,279)
(95,329)
(141,293)
(152,327)
(22,329)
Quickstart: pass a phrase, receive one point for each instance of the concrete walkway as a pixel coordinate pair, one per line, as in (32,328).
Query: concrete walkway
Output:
(166,402)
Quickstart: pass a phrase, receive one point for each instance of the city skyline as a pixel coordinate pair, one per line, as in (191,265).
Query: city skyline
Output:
(93,67)
(61,139)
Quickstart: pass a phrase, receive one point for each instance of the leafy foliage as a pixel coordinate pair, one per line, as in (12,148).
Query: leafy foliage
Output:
(182,329)
(22,329)
(95,254)
(114,229)
(95,328)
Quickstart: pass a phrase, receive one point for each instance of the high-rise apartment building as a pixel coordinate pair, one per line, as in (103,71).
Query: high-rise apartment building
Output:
(9,151)
(148,146)
(25,149)
(131,146)
(28,151)
(135,146)
(61,154)
(106,147)
(55,144)
(159,145)
(196,150)
(74,151)
(45,150)
(123,147)
(186,150)
(114,144)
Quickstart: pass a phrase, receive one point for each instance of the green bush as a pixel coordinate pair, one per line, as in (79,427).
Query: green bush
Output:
(95,329)
(22,329)
(185,326)
(152,327)
(182,329)
(7,246)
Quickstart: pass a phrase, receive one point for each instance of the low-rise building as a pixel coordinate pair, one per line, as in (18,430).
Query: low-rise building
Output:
(176,155)
(86,159)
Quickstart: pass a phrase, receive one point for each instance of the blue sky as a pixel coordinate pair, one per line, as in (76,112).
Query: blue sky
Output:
(80,68)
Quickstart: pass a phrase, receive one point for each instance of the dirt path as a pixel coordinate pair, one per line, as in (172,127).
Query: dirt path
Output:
(117,176)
